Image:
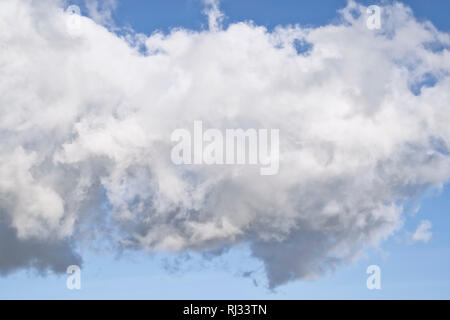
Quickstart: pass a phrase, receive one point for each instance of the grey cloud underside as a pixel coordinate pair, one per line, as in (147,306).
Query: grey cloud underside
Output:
(41,255)
(86,120)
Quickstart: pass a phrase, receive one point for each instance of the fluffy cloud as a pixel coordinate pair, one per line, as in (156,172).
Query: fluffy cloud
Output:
(86,119)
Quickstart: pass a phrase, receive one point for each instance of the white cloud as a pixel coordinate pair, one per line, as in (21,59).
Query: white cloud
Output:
(423,232)
(215,16)
(86,122)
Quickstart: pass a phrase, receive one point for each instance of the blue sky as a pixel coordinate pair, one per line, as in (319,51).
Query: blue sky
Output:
(148,15)
(408,270)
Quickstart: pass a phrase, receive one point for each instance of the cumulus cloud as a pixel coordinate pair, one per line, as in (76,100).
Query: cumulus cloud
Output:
(86,121)
(423,232)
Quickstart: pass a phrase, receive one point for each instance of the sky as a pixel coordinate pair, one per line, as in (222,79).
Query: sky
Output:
(410,245)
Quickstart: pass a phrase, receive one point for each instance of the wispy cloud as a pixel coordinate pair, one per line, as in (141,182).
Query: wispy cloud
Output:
(102,11)
(423,232)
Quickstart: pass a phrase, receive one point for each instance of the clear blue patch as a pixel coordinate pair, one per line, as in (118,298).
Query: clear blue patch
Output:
(427,80)
(355,13)
(439,145)
(302,47)
(436,46)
